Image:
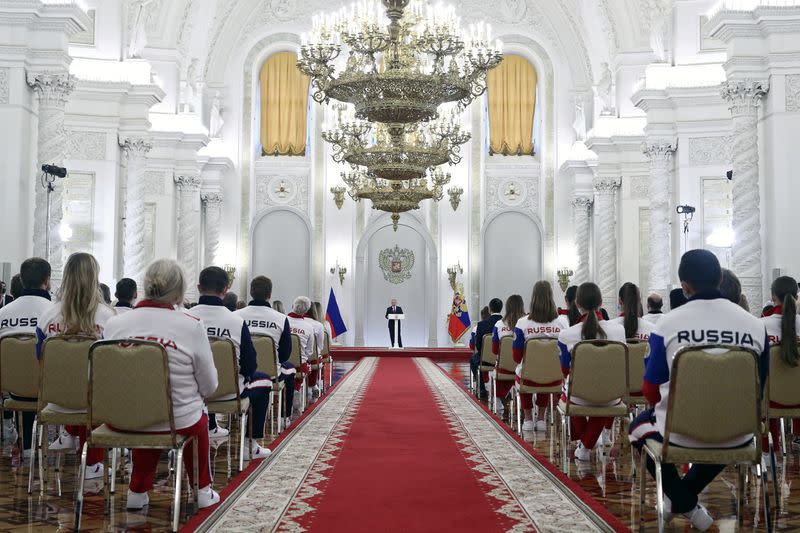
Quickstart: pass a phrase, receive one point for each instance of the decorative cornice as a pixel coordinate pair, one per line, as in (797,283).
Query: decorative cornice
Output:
(744,96)
(52,87)
(212,197)
(581,202)
(607,185)
(188,182)
(655,150)
(135,146)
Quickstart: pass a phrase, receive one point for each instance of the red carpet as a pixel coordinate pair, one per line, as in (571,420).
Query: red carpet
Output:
(350,353)
(400,469)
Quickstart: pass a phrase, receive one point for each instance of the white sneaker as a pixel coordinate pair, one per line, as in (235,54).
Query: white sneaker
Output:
(137,500)
(582,453)
(65,441)
(218,432)
(26,454)
(541,425)
(9,430)
(297,402)
(207,497)
(94,471)
(499,407)
(287,421)
(256,451)
(605,437)
(528,425)
(766,467)
(699,518)
(668,516)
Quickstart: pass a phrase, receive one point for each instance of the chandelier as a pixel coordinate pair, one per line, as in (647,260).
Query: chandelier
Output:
(402,64)
(395,197)
(395,151)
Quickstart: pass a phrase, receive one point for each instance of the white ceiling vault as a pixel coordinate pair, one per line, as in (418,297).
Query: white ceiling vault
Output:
(579,35)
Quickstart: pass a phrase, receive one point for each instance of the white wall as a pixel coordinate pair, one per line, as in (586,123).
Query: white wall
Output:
(281,251)
(512,256)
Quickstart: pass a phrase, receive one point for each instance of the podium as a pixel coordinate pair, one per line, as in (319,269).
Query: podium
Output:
(397,318)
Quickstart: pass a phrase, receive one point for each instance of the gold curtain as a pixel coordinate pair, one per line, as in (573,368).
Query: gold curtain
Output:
(284,106)
(511,90)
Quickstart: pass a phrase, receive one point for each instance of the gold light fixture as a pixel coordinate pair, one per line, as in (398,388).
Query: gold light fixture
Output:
(338,195)
(340,270)
(230,270)
(455,196)
(564,275)
(452,272)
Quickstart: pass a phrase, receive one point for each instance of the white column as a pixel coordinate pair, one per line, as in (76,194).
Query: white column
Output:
(744,98)
(188,203)
(213,219)
(134,256)
(660,269)
(53,90)
(581,210)
(605,190)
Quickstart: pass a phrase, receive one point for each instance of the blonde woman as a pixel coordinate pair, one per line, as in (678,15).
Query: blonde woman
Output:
(79,310)
(192,374)
(515,309)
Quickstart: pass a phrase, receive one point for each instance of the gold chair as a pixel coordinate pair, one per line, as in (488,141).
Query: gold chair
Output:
(327,361)
(64,365)
(783,388)
(130,392)
(227,399)
(505,370)
(267,357)
(488,362)
(729,375)
(19,376)
(296,359)
(598,376)
(540,364)
(638,351)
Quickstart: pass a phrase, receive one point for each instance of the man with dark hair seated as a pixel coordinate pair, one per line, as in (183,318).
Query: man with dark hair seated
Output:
(126,295)
(485,327)
(221,322)
(698,322)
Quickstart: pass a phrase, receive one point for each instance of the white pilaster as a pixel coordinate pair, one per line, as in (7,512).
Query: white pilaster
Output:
(659,153)
(212,203)
(134,256)
(606,190)
(581,211)
(188,203)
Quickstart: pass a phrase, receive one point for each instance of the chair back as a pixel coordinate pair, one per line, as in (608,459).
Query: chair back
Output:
(784,380)
(487,357)
(638,350)
(227,363)
(599,371)
(540,362)
(714,394)
(129,385)
(505,359)
(295,357)
(19,368)
(65,371)
(266,354)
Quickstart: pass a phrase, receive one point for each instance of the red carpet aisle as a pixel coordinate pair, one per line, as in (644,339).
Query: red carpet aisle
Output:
(398,446)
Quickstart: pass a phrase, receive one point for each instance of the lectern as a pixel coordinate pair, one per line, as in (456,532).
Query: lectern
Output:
(396,318)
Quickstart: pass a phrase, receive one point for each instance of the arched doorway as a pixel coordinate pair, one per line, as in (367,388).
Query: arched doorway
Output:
(512,255)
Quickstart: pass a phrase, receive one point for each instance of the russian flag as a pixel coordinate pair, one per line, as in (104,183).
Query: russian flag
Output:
(458,322)
(334,317)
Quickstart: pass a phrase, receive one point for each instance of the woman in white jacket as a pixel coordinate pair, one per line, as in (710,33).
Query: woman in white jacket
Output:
(193,375)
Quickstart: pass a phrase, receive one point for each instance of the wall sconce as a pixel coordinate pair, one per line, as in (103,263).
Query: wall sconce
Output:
(339,270)
(452,272)
(455,196)
(230,270)
(338,196)
(564,275)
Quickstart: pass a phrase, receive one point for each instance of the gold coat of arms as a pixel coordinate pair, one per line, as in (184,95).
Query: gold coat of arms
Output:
(396,264)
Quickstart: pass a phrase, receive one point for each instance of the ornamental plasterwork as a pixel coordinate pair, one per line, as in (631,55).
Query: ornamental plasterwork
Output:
(4,85)
(396,264)
(282,190)
(793,92)
(640,188)
(710,151)
(154,182)
(85,145)
(514,192)
(86,38)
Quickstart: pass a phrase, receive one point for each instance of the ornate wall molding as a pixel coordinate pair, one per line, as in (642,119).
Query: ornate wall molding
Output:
(640,188)
(188,207)
(4,91)
(606,190)
(89,145)
(134,258)
(744,96)
(281,189)
(212,202)
(660,152)
(792,85)
(581,211)
(154,181)
(518,192)
(710,151)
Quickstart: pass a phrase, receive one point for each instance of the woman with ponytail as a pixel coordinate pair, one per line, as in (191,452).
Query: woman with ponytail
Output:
(515,309)
(569,316)
(589,301)
(80,310)
(783,325)
(630,303)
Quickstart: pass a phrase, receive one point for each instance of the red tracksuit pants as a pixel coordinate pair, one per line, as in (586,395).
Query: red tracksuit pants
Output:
(525,399)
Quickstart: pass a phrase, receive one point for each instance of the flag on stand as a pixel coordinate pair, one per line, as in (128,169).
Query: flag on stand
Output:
(458,323)
(334,317)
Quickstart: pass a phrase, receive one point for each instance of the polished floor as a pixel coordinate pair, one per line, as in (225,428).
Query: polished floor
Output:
(608,479)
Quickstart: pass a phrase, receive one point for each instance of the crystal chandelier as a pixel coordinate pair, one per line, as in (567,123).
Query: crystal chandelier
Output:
(395,197)
(402,64)
(395,151)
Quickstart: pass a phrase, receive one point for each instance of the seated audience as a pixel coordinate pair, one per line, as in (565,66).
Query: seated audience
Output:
(16,287)
(782,325)
(79,310)
(654,308)
(193,376)
(731,289)
(589,300)
(105,291)
(475,360)
(304,329)
(319,341)
(126,295)
(515,309)
(230,300)
(543,322)
(221,322)
(486,327)
(278,306)
(262,319)
(630,305)
(4,298)
(676,298)
(706,313)
(569,316)
(21,317)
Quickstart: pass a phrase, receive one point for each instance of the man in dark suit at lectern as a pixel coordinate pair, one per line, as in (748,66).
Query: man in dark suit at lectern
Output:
(395,309)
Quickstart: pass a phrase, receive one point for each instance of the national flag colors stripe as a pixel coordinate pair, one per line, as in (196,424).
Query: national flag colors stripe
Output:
(334,317)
